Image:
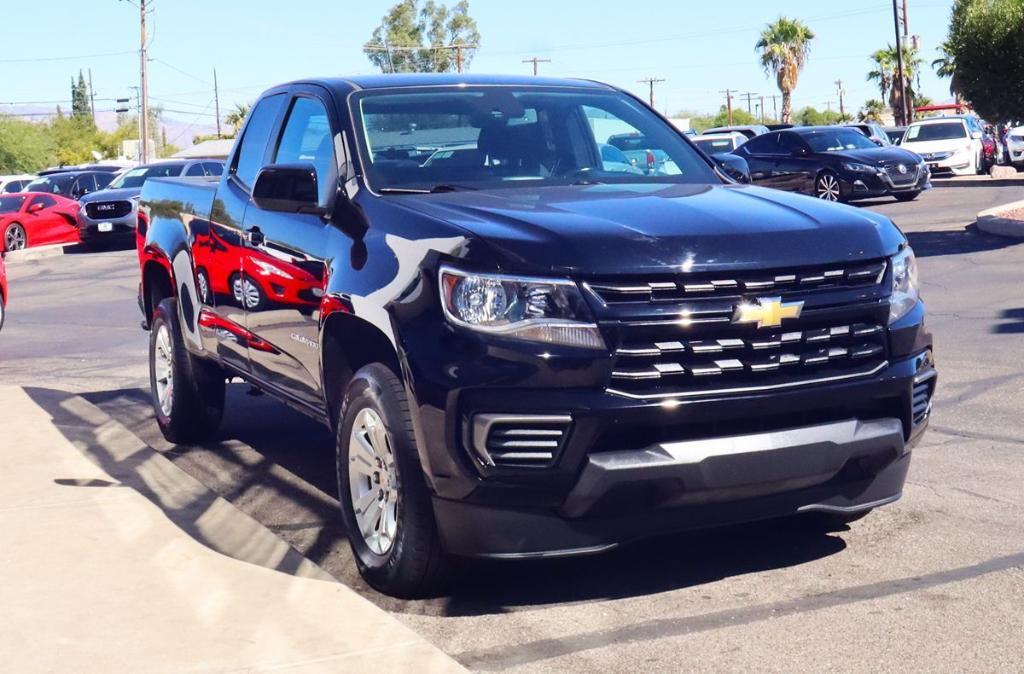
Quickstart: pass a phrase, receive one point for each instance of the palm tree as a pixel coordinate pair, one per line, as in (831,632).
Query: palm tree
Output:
(784,46)
(237,116)
(945,66)
(872,110)
(886,75)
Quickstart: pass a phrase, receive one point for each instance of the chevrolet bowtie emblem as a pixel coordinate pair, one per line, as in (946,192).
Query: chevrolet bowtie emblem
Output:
(767,312)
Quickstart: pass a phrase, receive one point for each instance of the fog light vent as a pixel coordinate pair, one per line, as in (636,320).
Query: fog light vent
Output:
(519,440)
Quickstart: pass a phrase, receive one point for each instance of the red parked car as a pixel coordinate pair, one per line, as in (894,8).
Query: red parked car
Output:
(33,219)
(3,292)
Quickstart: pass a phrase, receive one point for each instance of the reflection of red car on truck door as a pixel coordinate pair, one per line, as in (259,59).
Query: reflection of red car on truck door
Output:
(268,276)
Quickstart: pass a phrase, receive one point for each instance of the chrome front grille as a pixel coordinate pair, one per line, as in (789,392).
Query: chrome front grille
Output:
(673,340)
(519,439)
(892,169)
(922,401)
(725,285)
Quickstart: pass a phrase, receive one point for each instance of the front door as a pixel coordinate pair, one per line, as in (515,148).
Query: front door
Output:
(217,243)
(284,262)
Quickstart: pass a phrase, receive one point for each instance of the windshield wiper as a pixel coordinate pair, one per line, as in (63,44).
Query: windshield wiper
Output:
(444,187)
(401,190)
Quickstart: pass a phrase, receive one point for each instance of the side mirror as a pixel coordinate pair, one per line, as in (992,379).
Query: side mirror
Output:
(976,135)
(877,141)
(36,207)
(288,188)
(733,166)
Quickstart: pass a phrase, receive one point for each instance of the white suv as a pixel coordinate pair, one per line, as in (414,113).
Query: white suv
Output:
(948,144)
(1015,146)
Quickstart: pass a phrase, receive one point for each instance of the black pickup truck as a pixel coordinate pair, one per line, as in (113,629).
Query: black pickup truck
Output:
(525,350)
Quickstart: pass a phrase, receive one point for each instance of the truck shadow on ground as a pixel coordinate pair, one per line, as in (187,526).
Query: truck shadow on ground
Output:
(278,466)
(957,242)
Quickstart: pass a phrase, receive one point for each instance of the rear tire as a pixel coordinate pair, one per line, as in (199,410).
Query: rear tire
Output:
(385,501)
(188,393)
(907,196)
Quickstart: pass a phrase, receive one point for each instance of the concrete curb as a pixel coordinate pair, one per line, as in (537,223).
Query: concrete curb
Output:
(37,253)
(990,221)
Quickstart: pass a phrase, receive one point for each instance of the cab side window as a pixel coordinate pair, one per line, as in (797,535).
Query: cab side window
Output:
(790,143)
(765,144)
(307,139)
(249,158)
(84,185)
(195,170)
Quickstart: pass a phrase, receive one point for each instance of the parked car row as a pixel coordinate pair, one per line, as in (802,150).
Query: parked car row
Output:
(94,205)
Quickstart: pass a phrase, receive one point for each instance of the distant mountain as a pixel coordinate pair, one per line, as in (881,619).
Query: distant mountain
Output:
(179,131)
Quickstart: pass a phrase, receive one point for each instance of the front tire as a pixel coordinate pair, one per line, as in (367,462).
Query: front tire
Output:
(907,196)
(827,188)
(384,497)
(188,393)
(15,237)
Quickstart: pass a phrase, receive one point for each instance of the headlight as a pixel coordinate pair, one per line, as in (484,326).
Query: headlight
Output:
(537,310)
(904,284)
(858,168)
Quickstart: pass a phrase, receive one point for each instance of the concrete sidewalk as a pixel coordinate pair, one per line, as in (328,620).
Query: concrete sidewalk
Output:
(112,559)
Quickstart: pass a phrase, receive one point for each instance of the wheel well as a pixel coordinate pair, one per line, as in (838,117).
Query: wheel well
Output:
(348,344)
(156,286)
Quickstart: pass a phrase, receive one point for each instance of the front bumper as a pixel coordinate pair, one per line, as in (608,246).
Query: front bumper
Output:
(121,228)
(852,459)
(866,186)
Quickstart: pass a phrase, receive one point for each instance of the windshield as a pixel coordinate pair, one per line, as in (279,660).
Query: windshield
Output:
(11,204)
(920,133)
(485,137)
(838,140)
(55,184)
(140,174)
(714,145)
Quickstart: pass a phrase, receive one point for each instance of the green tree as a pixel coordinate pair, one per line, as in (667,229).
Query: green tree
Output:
(80,107)
(811,116)
(25,147)
(412,39)
(945,66)
(872,111)
(885,74)
(986,43)
(784,47)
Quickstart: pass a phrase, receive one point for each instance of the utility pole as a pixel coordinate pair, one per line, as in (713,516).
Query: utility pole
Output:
(458,57)
(749,95)
(728,103)
(535,61)
(899,65)
(650,82)
(841,92)
(92,98)
(762,110)
(828,106)
(144,87)
(216,101)
(775,106)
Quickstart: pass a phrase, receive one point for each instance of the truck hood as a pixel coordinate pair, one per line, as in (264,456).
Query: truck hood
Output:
(123,194)
(632,228)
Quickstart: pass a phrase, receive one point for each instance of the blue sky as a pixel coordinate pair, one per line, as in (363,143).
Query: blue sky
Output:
(699,48)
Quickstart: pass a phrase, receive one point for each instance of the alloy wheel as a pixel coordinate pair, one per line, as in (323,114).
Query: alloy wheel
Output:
(828,187)
(14,238)
(163,370)
(373,481)
(250,294)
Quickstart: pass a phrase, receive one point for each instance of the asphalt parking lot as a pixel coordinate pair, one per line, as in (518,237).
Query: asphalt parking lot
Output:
(935,582)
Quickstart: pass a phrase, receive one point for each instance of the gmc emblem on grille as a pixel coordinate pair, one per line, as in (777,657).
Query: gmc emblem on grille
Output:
(105,207)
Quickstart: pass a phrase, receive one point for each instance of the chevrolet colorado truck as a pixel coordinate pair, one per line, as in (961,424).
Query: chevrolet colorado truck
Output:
(524,351)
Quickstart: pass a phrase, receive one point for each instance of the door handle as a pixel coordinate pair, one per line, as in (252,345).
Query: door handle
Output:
(254,237)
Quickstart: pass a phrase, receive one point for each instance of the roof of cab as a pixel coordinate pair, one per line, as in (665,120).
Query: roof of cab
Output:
(389,81)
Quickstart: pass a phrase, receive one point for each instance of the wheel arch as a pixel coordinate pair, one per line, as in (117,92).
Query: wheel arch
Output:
(157,285)
(347,343)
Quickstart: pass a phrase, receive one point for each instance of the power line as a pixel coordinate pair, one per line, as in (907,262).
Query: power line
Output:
(750,95)
(43,59)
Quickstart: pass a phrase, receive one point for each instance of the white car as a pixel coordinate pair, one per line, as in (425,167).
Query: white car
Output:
(717,143)
(948,144)
(14,183)
(1015,146)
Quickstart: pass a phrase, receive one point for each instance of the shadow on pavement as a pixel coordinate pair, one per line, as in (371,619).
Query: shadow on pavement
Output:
(278,466)
(946,183)
(189,504)
(956,242)
(1013,322)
